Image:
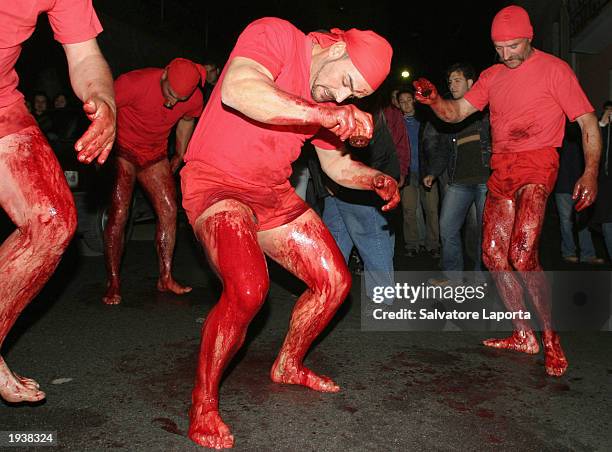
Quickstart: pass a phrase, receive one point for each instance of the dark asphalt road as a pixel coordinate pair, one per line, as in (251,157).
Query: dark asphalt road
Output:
(131,369)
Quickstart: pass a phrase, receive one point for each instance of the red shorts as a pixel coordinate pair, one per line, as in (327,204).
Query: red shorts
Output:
(203,185)
(143,157)
(512,170)
(15,117)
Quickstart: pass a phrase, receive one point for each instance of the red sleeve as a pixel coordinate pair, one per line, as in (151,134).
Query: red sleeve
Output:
(478,95)
(74,21)
(568,93)
(269,41)
(325,139)
(125,91)
(395,121)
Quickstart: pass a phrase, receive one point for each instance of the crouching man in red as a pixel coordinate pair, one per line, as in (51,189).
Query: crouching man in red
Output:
(529,95)
(150,102)
(275,92)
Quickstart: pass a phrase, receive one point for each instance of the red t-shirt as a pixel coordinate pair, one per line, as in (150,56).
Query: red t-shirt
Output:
(259,153)
(528,104)
(72,21)
(142,120)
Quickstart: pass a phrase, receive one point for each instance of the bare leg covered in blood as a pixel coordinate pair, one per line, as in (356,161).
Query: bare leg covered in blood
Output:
(235,249)
(227,230)
(511,232)
(158,183)
(36,197)
(306,248)
(114,232)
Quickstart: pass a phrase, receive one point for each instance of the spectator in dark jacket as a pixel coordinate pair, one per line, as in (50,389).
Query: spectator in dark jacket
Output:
(40,111)
(603,205)
(419,232)
(67,122)
(212,75)
(462,151)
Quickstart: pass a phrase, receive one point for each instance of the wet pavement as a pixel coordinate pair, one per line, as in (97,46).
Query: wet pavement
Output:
(120,377)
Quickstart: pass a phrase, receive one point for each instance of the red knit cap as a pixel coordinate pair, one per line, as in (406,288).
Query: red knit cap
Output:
(370,53)
(511,23)
(184,75)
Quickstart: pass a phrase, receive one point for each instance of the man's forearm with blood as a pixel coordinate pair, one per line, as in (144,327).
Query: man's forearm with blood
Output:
(92,82)
(248,89)
(350,173)
(92,78)
(446,110)
(591,144)
(353,174)
(585,190)
(283,108)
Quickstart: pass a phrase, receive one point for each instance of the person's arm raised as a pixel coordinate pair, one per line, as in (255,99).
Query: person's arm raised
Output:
(447,110)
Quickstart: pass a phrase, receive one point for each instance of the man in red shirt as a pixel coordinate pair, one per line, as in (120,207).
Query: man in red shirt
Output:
(529,95)
(33,190)
(275,92)
(150,102)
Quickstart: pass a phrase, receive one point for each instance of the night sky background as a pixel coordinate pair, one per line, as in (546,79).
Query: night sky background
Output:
(426,36)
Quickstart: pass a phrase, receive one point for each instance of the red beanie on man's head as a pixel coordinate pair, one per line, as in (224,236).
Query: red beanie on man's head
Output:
(370,53)
(511,23)
(184,75)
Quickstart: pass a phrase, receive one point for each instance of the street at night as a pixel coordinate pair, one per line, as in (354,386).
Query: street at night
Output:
(125,373)
(305,226)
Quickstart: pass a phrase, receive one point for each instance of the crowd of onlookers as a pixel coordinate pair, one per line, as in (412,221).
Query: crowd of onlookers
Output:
(441,169)
(59,119)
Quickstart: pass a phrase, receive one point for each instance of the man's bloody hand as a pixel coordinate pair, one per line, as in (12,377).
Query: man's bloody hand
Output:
(98,140)
(386,187)
(425,91)
(585,191)
(344,120)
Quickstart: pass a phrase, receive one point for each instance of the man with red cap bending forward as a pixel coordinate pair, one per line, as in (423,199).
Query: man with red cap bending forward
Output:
(273,95)
(529,95)
(150,102)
